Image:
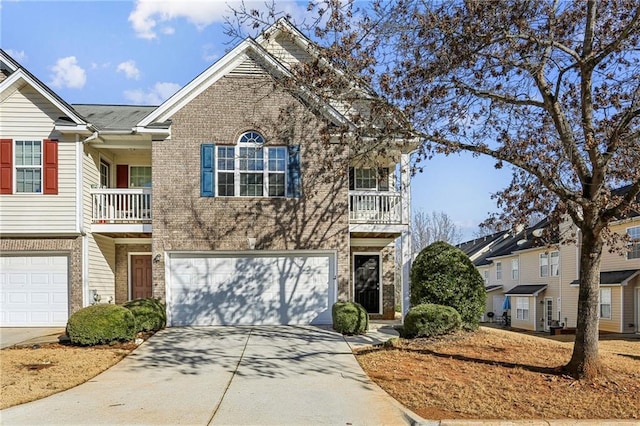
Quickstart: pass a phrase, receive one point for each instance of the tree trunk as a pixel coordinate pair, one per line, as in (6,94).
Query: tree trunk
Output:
(585,362)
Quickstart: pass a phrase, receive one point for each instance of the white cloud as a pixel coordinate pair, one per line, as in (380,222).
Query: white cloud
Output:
(209,53)
(67,73)
(129,69)
(18,55)
(154,96)
(148,14)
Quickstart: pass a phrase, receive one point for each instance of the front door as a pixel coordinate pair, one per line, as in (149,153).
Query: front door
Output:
(367,281)
(141,276)
(548,312)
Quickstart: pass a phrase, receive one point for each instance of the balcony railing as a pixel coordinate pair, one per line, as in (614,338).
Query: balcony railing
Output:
(372,207)
(121,205)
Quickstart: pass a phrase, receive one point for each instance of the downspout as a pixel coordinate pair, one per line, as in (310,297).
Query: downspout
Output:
(85,237)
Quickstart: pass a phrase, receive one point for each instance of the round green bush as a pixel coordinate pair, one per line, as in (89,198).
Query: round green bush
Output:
(101,324)
(444,275)
(431,320)
(349,318)
(149,313)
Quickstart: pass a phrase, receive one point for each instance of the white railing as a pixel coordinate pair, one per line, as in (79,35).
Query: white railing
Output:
(375,207)
(121,205)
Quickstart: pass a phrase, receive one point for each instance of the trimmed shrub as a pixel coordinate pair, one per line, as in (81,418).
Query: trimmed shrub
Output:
(444,275)
(101,324)
(149,313)
(349,318)
(431,320)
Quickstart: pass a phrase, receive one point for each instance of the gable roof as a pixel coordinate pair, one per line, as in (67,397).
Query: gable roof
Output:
(249,48)
(19,75)
(615,277)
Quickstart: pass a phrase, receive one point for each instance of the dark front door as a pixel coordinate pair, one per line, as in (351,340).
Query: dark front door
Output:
(367,281)
(141,276)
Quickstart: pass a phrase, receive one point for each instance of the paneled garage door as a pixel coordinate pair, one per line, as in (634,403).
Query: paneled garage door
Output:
(34,291)
(214,289)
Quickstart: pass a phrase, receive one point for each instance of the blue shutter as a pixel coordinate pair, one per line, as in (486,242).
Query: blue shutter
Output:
(207,170)
(294,178)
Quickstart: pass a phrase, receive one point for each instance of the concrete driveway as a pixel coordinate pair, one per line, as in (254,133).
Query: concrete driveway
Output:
(10,336)
(225,376)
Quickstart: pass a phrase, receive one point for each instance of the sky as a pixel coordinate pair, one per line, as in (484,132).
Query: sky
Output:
(141,52)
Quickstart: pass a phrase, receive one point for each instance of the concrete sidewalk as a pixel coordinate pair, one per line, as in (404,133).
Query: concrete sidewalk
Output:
(225,375)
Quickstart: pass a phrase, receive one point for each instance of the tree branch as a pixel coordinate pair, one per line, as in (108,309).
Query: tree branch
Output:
(629,29)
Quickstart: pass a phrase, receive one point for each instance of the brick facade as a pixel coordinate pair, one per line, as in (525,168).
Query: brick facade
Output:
(71,246)
(122,268)
(388,278)
(183,220)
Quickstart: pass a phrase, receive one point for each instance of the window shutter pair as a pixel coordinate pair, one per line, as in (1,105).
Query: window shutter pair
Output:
(49,166)
(207,171)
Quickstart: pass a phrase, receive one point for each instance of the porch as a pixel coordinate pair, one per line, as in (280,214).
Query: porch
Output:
(121,210)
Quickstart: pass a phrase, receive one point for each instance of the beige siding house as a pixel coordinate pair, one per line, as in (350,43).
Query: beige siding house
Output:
(546,292)
(232,201)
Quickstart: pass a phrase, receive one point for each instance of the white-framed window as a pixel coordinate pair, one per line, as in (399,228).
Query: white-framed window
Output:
(28,166)
(634,235)
(605,303)
(140,176)
(550,264)
(105,173)
(486,276)
(522,308)
(250,169)
(498,270)
(369,179)
(515,269)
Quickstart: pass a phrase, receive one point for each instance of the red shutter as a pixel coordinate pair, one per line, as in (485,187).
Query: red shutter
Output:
(122,176)
(50,167)
(6,166)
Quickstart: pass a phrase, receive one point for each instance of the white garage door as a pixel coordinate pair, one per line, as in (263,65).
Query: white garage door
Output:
(210,289)
(34,291)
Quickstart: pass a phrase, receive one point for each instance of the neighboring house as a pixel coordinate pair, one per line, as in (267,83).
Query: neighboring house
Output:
(540,278)
(231,201)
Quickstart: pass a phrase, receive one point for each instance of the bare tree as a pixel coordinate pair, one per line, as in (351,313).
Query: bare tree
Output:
(547,86)
(427,228)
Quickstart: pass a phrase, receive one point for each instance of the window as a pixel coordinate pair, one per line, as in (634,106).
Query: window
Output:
(140,176)
(515,265)
(605,303)
(634,234)
(486,276)
(550,264)
(105,174)
(28,161)
(555,263)
(522,308)
(369,179)
(252,170)
(498,270)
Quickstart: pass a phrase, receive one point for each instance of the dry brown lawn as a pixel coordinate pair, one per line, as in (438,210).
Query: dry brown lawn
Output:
(497,374)
(30,373)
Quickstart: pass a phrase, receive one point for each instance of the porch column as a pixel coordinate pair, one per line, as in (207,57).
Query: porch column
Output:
(405,239)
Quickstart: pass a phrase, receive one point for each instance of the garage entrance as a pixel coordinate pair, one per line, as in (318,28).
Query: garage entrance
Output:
(34,291)
(268,288)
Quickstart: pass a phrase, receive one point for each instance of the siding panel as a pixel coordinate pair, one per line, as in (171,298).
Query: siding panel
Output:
(27,115)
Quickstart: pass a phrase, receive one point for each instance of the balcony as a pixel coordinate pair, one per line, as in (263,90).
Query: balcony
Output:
(121,210)
(376,211)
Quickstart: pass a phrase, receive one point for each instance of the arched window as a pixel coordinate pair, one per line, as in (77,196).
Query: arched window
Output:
(256,170)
